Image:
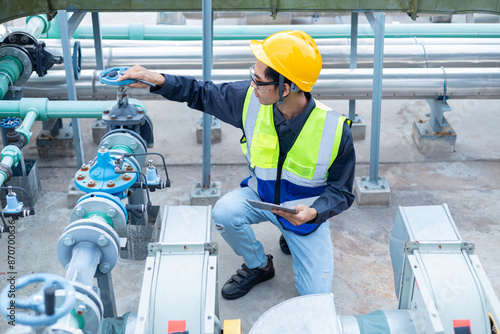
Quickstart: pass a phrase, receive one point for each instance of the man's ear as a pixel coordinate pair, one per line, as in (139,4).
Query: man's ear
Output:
(286,89)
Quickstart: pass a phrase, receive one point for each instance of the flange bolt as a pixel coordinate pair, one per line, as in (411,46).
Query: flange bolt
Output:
(105,267)
(79,211)
(68,240)
(103,241)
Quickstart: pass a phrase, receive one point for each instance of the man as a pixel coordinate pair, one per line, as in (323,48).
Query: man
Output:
(299,155)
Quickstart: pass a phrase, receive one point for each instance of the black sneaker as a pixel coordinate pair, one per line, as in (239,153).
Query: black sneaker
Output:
(245,279)
(284,246)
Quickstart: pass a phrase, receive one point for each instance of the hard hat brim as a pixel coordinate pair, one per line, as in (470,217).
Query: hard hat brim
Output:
(258,52)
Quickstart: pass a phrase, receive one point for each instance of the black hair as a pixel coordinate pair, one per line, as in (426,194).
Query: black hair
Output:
(275,76)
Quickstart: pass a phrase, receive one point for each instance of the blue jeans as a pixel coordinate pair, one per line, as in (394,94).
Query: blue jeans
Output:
(312,254)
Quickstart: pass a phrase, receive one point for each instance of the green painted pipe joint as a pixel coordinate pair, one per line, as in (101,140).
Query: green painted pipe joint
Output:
(13,153)
(100,216)
(10,70)
(136,31)
(43,17)
(30,104)
(28,121)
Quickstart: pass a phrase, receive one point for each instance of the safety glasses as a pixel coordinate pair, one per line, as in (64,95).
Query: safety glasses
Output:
(257,83)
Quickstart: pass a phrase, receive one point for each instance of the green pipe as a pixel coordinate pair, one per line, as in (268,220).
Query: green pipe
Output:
(11,155)
(57,109)
(99,217)
(28,121)
(10,70)
(37,25)
(139,31)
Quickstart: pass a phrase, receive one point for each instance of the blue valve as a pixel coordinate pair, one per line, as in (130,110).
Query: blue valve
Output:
(10,122)
(36,302)
(13,205)
(110,76)
(152,174)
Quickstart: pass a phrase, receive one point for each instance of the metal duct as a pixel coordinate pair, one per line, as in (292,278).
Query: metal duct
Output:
(342,84)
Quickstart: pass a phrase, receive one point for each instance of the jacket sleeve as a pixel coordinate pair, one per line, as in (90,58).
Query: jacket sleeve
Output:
(224,101)
(338,195)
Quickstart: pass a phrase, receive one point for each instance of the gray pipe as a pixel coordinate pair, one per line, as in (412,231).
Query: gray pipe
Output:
(232,56)
(85,258)
(340,84)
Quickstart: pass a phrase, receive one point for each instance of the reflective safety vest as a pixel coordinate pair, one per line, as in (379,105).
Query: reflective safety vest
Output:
(299,177)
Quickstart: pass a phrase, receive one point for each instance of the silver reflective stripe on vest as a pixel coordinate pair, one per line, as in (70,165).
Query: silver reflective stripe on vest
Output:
(269,174)
(306,201)
(250,121)
(326,146)
(300,181)
(266,174)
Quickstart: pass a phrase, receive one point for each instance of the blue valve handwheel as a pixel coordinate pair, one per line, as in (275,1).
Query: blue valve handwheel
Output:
(36,302)
(10,122)
(77,60)
(109,76)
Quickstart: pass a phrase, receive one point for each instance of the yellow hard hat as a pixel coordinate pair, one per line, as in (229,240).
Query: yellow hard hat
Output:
(293,54)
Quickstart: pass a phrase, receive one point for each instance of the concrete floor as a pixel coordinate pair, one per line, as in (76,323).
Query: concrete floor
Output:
(467,180)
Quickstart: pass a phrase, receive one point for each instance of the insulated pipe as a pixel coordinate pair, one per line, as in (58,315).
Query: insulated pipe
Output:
(339,84)
(188,55)
(260,32)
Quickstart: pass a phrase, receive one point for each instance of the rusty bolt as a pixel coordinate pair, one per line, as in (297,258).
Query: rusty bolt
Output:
(129,167)
(80,176)
(111,184)
(126,177)
(84,167)
(91,183)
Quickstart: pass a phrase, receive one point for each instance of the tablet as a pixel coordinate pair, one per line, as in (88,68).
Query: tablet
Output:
(270,206)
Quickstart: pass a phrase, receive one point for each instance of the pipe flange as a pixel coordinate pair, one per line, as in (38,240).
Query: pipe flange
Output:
(128,139)
(107,207)
(24,57)
(20,38)
(7,170)
(89,306)
(86,230)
